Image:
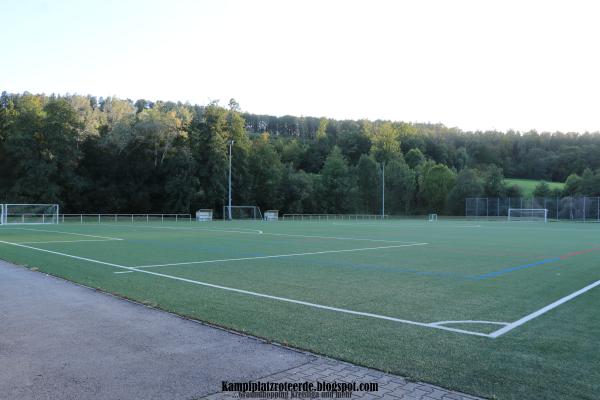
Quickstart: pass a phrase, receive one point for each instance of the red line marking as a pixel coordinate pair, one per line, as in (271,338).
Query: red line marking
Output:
(577,253)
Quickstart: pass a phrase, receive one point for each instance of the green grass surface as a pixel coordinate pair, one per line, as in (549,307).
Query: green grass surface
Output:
(489,271)
(528,185)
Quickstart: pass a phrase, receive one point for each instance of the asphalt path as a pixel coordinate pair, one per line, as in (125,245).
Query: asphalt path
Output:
(59,340)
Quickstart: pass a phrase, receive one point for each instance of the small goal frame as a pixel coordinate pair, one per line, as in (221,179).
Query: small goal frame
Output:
(254,211)
(433,217)
(529,215)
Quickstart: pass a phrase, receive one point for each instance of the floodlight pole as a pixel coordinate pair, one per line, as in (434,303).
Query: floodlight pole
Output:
(230,143)
(382,190)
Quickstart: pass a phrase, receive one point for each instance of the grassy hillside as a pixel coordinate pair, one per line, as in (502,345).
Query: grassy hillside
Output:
(528,185)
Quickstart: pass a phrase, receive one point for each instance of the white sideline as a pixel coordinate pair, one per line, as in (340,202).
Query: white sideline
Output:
(66,233)
(542,310)
(72,241)
(279,256)
(256,231)
(262,295)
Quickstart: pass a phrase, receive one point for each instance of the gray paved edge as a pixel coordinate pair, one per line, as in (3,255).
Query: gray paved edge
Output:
(59,340)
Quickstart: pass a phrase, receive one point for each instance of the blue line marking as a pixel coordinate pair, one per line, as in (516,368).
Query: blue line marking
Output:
(517,268)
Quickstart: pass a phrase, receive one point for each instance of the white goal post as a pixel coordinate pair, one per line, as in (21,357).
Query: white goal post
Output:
(528,214)
(241,212)
(432,217)
(271,215)
(204,215)
(23,214)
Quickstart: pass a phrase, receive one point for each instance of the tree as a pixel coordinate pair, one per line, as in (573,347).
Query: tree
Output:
(400,186)
(336,184)
(514,191)
(494,182)
(468,184)
(369,186)
(590,183)
(437,182)
(322,131)
(572,185)
(209,147)
(297,191)
(354,145)
(414,158)
(386,145)
(542,189)
(265,171)
(160,129)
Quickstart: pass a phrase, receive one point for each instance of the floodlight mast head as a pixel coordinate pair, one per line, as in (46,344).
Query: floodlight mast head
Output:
(230,143)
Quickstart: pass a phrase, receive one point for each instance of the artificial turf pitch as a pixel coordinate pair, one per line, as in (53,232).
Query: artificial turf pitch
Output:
(475,306)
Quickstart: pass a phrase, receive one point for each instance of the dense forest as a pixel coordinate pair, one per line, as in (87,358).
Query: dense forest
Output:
(94,154)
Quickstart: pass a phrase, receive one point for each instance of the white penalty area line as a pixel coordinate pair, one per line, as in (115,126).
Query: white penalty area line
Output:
(66,233)
(259,232)
(281,255)
(180,228)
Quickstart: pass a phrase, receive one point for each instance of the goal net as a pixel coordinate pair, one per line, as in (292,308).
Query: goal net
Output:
(272,215)
(30,214)
(528,214)
(204,215)
(241,212)
(432,217)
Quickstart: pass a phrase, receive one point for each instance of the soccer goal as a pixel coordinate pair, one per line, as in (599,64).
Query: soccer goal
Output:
(241,212)
(432,217)
(30,214)
(204,215)
(528,214)
(271,215)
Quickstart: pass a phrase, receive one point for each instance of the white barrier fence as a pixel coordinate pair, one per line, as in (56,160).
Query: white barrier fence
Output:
(333,217)
(108,218)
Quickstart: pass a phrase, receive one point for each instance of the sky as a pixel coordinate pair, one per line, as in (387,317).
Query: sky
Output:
(476,65)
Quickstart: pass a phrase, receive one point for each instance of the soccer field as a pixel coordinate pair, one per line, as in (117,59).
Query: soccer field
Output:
(496,309)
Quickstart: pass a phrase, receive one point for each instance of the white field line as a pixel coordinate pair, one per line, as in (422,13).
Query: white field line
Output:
(280,255)
(67,233)
(265,233)
(72,241)
(63,254)
(262,295)
(398,226)
(469,322)
(179,228)
(338,238)
(542,310)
